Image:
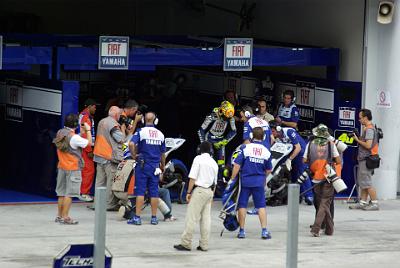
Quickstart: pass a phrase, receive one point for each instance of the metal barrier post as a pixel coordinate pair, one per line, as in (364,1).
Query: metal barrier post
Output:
(293,225)
(100,227)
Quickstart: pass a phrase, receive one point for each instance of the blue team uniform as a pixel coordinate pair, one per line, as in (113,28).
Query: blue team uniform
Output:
(289,114)
(254,122)
(290,135)
(254,159)
(150,146)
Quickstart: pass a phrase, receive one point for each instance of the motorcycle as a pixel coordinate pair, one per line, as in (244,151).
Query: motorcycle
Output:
(277,181)
(175,175)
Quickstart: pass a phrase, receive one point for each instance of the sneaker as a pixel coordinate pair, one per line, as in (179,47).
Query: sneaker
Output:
(154,220)
(172,218)
(314,234)
(309,201)
(68,221)
(85,198)
(265,234)
(58,219)
(121,213)
(136,220)
(241,234)
(254,211)
(371,207)
(357,206)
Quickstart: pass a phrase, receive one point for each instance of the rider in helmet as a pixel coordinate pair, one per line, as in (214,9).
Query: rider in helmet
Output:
(215,129)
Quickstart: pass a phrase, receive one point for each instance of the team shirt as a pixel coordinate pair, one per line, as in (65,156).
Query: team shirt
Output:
(254,159)
(254,122)
(290,135)
(289,114)
(150,144)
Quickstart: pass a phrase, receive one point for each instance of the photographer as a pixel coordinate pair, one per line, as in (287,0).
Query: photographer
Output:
(319,154)
(368,145)
(70,163)
(131,116)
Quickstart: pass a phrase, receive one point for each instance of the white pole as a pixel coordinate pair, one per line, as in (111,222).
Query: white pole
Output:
(293,225)
(100,227)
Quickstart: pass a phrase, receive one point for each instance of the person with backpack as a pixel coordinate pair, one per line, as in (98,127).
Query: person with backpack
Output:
(319,153)
(368,146)
(70,163)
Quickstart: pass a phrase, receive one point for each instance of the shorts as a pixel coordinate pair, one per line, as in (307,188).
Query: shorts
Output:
(146,180)
(258,194)
(69,183)
(364,175)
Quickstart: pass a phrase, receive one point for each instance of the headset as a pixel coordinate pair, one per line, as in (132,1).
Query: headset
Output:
(155,121)
(251,135)
(290,93)
(274,124)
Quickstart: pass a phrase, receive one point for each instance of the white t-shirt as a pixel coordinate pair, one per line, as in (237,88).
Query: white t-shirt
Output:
(204,170)
(77,141)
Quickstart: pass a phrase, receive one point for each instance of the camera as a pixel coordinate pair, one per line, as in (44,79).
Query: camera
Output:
(355,132)
(125,120)
(304,176)
(142,109)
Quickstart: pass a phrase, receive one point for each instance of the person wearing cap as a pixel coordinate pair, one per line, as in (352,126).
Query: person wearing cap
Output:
(87,116)
(294,162)
(319,154)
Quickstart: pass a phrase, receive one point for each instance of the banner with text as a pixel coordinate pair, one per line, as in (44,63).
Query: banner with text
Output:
(238,54)
(14,100)
(305,100)
(113,53)
(347,117)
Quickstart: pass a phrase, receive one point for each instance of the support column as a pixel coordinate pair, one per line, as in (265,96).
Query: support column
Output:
(381,72)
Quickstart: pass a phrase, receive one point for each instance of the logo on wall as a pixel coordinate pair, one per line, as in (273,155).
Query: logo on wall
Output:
(305,100)
(384,100)
(347,117)
(238,54)
(345,136)
(113,53)
(14,101)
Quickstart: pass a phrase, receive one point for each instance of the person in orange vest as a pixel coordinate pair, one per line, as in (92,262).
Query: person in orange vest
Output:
(86,116)
(70,163)
(108,152)
(318,154)
(368,145)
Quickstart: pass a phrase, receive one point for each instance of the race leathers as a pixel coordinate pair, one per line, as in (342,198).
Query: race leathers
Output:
(215,130)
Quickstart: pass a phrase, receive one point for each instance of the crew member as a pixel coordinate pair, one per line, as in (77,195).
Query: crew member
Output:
(290,135)
(255,164)
(252,122)
(147,147)
(288,114)
(87,116)
(262,107)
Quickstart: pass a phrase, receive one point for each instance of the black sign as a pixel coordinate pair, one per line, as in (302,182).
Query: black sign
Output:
(306,113)
(343,135)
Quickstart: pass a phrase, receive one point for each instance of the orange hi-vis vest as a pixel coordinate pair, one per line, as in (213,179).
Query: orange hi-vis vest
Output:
(105,146)
(374,147)
(72,158)
(318,157)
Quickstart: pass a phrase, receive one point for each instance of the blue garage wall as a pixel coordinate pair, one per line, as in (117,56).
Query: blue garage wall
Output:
(29,164)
